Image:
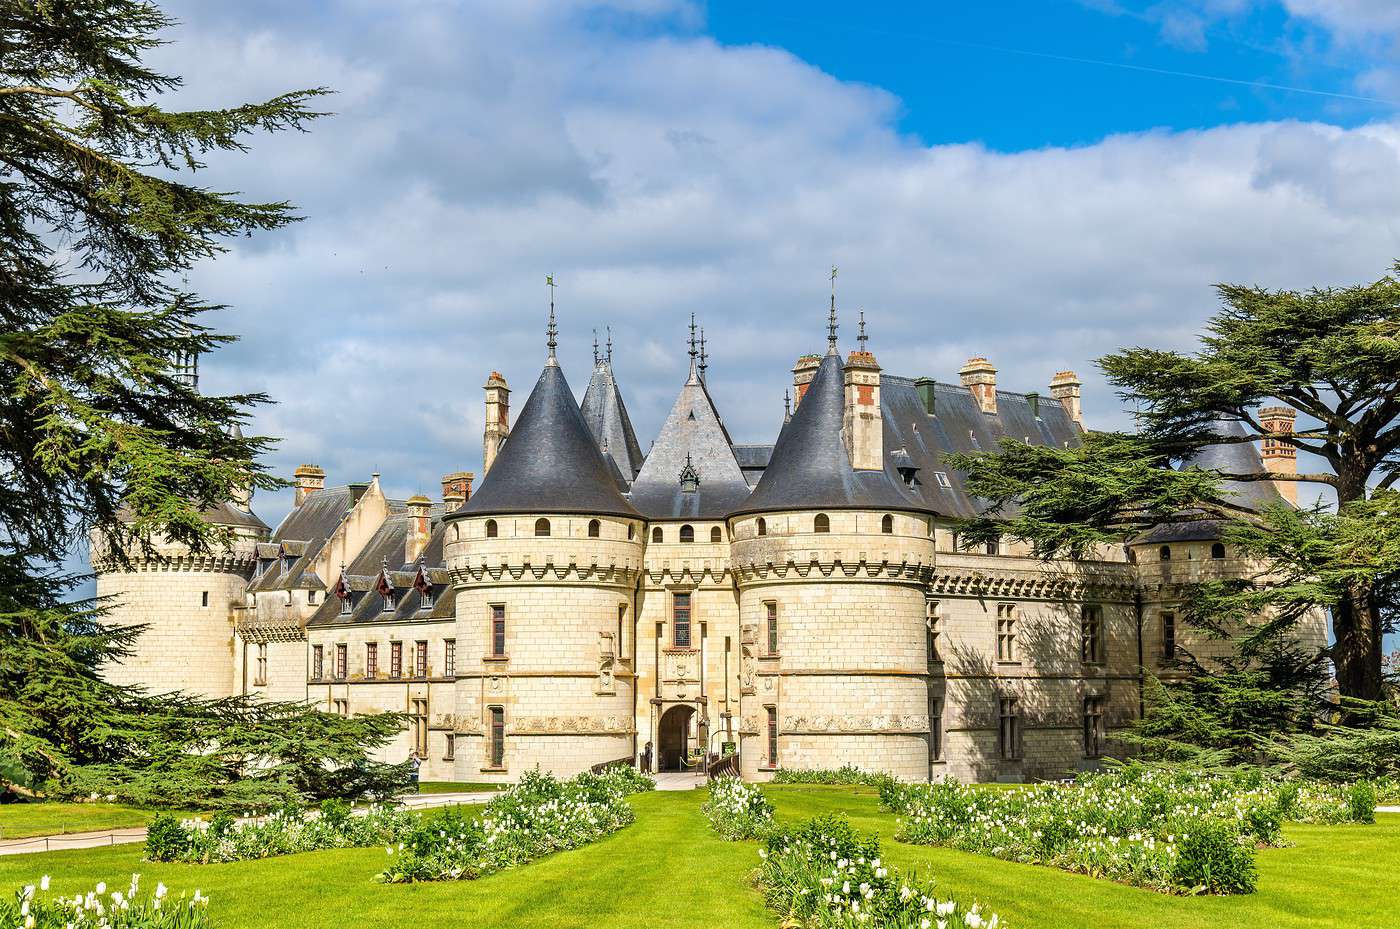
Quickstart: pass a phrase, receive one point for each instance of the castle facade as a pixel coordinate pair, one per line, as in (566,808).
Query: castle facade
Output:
(804,604)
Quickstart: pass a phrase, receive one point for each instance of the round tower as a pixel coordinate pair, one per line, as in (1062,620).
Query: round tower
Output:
(185,601)
(832,564)
(545,558)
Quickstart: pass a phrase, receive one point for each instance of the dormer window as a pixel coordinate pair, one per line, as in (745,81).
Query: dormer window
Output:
(426,599)
(345,606)
(390,601)
(942,478)
(287,562)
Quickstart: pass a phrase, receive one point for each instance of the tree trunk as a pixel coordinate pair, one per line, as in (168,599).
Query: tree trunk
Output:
(1357,652)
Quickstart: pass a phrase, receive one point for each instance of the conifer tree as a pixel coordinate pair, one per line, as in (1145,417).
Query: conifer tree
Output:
(100,217)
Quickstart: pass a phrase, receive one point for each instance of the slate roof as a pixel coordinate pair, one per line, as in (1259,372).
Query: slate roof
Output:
(692,433)
(609,423)
(387,543)
(810,469)
(303,533)
(752,460)
(550,463)
(1226,458)
(226,514)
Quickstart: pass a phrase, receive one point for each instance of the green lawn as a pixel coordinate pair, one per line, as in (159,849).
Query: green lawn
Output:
(668,869)
(452,787)
(20,820)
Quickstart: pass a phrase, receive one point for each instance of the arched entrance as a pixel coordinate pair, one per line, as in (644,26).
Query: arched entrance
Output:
(673,737)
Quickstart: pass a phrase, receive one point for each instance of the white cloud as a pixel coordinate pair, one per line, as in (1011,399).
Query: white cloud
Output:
(1353,18)
(656,173)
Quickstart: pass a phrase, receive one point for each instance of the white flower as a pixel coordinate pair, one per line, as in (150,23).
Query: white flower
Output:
(44,882)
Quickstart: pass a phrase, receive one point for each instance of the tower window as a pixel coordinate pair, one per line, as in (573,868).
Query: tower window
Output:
(1165,553)
(687,533)
(541,527)
(449,657)
(931,622)
(260,669)
(680,620)
(491,529)
(822,523)
(1093,726)
(771,619)
(1006,632)
(496,756)
(498,631)
(1091,634)
(1217,551)
(716,535)
(935,734)
(762,525)
(772,736)
(204,598)
(594,528)
(887,524)
(656,534)
(621,620)
(1169,636)
(1009,730)
(631,532)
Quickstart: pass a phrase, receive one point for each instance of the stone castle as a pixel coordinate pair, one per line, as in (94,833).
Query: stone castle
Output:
(805,603)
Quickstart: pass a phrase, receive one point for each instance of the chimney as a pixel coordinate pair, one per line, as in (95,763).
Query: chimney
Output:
(497,419)
(309,478)
(1033,401)
(1064,387)
(419,528)
(925,387)
(802,374)
(1280,457)
(456,489)
(863,427)
(980,377)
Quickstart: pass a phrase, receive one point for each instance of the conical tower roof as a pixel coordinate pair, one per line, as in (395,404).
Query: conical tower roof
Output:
(550,463)
(607,419)
(694,438)
(810,468)
(1225,458)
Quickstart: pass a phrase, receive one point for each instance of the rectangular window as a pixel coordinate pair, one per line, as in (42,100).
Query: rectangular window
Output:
(935,729)
(420,659)
(1009,732)
(1093,726)
(992,547)
(317,662)
(419,714)
(621,624)
(1091,634)
(342,708)
(931,619)
(680,620)
(772,736)
(771,609)
(1169,636)
(371,660)
(1006,632)
(345,606)
(390,601)
(340,652)
(497,746)
(311,598)
(396,659)
(204,598)
(449,658)
(498,631)
(426,599)
(450,748)
(260,669)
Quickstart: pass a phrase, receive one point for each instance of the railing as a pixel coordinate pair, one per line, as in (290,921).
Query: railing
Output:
(600,767)
(719,767)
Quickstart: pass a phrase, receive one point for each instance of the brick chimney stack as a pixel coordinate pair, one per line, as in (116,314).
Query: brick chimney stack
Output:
(309,478)
(980,376)
(456,489)
(497,419)
(419,528)
(1280,457)
(1065,387)
(802,374)
(863,426)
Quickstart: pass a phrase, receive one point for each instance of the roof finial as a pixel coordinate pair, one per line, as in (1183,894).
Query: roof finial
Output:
(862,338)
(551,330)
(704,359)
(693,352)
(610,345)
(595,347)
(787,405)
(831,320)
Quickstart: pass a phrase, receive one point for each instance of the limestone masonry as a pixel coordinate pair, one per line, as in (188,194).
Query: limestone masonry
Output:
(805,603)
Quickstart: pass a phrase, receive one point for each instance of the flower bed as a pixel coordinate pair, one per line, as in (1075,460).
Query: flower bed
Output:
(98,909)
(1173,831)
(846,774)
(285,832)
(821,874)
(538,816)
(737,810)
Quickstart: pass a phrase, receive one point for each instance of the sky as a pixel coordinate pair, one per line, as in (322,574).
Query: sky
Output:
(1037,182)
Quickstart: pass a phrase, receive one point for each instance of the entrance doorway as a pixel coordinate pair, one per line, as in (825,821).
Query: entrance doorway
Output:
(673,737)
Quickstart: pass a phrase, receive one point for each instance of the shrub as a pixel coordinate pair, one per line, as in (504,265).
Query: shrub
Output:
(1361,802)
(287,831)
(737,810)
(822,875)
(35,908)
(846,774)
(166,839)
(1213,857)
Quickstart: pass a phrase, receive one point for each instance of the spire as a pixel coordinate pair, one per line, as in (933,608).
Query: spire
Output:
(787,405)
(694,377)
(551,331)
(610,345)
(704,359)
(595,347)
(831,320)
(862,338)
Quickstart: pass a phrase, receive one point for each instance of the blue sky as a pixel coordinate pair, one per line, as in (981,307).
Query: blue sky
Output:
(1039,183)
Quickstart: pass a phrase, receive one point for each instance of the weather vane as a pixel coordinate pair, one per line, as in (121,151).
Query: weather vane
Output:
(552,330)
(831,320)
